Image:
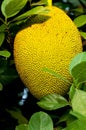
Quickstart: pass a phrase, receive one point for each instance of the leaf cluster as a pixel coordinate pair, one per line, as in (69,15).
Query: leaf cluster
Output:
(15,14)
(75,116)
(11,21)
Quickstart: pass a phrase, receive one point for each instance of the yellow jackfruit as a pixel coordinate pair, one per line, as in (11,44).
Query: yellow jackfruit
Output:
(50,41)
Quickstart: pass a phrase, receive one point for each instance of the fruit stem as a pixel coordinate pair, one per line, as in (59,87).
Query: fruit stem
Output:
(49,2)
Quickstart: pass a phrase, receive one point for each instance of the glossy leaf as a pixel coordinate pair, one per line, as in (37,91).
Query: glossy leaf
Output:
(56,75)
(77,67)
(2,28)
(33,11)
(76,125)
(22,127)
(2,37)
(78,115)
(52,102)
(83,34)
(41,2)
(2,33)
(72,91)
(4,53)
(80,57)
(80,20)
(10,8)
(40,121)
(66,117)
(79,102)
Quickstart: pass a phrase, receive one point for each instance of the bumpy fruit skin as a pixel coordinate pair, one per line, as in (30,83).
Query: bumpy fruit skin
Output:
(51,41)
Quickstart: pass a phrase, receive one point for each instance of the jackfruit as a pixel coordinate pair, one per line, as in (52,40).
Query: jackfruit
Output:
(49,41)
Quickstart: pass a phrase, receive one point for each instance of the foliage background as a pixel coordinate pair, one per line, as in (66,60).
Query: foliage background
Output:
(16,102)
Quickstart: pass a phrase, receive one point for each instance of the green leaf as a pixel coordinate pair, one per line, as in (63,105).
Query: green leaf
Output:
(80,57)
(52,102)
(1,87)
(56,74)
(7,72)
(80,20)
(2,37)
(33,11)
(78,115)
(79,102)
(8,76)
(72,91)
(22,127)
(77,67)
(40,121)
(41,2)
(83,34)
(2,28)
(78,10)
(10,8)
(76,125)
(66,117)
(75,2)
(2,33)
(16,113)
(5,53)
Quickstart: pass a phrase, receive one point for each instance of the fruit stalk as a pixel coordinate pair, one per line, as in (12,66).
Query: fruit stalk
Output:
(49,2)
